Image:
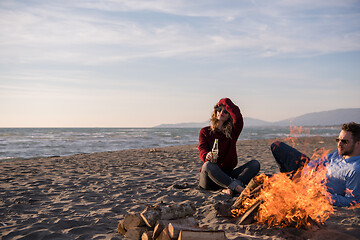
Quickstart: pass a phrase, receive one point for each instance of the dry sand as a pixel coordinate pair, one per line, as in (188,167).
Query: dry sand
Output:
(84,196)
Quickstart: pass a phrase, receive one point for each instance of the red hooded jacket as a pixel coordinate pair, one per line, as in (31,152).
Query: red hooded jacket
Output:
(227,159)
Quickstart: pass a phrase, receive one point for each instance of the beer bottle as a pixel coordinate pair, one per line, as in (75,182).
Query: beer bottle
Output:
(215,150)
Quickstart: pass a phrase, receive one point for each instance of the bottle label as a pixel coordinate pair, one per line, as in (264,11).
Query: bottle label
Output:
(215,156)
(215,151)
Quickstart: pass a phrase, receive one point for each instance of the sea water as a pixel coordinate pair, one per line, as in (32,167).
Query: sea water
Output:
(44,142)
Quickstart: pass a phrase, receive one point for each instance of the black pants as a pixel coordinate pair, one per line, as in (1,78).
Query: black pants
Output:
(213,178)
(288,158)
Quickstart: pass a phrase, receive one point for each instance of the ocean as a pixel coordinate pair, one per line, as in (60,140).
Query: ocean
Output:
(44,142)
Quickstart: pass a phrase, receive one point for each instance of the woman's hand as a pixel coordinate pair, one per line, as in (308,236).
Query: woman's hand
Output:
(209,157)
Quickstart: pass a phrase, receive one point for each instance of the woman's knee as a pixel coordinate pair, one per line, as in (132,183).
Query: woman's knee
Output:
(255,165)
(205,166)
(208,166)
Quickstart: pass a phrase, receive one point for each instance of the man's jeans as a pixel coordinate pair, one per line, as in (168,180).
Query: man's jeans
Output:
(288,158)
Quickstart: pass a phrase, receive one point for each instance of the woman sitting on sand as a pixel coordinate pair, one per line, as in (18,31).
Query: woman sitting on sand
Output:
(226,124)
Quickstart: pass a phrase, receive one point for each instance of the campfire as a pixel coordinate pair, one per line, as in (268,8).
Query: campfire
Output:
(277,200)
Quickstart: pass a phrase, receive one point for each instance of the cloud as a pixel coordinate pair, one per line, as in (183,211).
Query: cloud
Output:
(103,32)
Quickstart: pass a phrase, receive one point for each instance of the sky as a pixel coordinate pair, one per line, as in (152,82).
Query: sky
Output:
(134,63)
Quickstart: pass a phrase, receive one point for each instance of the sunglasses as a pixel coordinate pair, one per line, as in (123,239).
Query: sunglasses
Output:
(219,109)
(343,141)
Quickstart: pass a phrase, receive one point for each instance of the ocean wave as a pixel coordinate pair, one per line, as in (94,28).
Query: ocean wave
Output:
(43,142)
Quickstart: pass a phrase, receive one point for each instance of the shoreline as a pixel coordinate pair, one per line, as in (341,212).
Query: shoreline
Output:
(180,145)
(42,142)
(83,196)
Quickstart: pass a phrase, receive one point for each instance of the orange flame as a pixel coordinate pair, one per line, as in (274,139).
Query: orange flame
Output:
(355,205)
(295,132)
(320,153)
(287,202)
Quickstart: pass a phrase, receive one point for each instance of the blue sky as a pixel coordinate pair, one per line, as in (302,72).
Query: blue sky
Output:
(132,63)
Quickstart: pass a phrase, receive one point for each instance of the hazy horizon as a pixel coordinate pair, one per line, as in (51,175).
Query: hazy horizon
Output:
(144,63)
(253,122)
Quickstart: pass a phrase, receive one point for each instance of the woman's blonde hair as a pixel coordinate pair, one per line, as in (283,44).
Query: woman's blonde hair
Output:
(214,122)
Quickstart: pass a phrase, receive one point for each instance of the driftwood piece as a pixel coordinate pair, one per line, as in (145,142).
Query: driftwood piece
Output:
(175,228)
(161,224)
(159,227)
(201,235)
(153,213)
(188,221)
(135,233)
(248,216)
(147,235)
(121,228)
(164,235)
(132,221)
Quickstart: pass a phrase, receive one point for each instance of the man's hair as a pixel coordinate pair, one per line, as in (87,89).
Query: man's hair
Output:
(354,128)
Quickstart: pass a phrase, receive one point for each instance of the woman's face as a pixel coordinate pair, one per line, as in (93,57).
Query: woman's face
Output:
(221,114)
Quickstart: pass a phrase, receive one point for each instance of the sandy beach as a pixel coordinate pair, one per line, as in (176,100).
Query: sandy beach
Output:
(84,196)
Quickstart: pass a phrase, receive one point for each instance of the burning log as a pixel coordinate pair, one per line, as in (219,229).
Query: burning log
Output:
(248,216)
(248,194)
(280,201)
(254,187)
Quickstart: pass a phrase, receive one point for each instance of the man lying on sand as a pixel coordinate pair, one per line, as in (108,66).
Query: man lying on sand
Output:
(219,171)
(342,165)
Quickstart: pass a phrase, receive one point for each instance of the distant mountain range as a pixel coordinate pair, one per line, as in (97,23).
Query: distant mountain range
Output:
(325,118)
